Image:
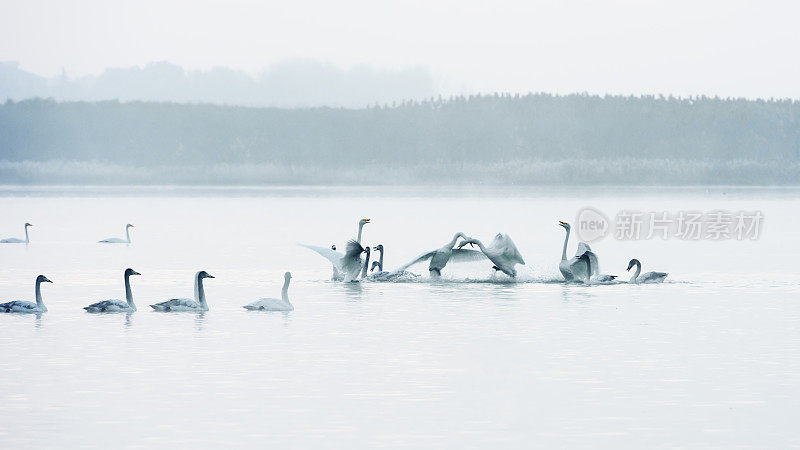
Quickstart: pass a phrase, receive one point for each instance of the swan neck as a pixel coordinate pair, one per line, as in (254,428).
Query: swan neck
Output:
(39,301)
(199,293)
(128,234)
(588,269)
(366,267)
(27,239)
(564,252)
(285,290)
(478,243)
(360,229)
(638,271)
(128,293)
(380,261)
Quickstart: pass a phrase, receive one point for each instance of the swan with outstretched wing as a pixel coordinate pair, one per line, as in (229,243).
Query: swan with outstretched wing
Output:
(573,269)
(441,256)
(337,258)
(502,252)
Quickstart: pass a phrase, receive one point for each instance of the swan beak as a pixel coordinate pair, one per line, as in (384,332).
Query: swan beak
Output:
(46,280)
(135,273)
(366,220)
(209,276)
(562,223)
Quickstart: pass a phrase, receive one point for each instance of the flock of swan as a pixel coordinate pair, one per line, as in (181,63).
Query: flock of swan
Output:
(351,266)
(501,252)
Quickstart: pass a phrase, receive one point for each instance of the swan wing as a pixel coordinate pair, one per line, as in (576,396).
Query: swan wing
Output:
(12,241)
(18,306)
(466,255)
(175,303)
(652,277)
(331,255)
(269,304)
(503,245)
(417,260)
(583,247)
(106,305)
(351,262)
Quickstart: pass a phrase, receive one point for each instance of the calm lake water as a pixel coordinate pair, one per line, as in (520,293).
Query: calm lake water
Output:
(711,358)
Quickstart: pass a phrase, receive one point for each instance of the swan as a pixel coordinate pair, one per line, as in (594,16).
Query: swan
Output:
(187,304)
(649,277)
(379,262)
(572,269)
(21,306)
(337,258)
(127,239)
(274,304)
(114,306)
(17,240)
(502,252)
(441,256)
(586,258)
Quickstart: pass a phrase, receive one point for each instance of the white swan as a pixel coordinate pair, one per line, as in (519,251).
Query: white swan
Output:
(441,256)
(502,252)
(572,269)
(274,304)
(17,240)
(379,263)
(114,305)
(337,258)
(649,277)
(187,304)
(25,307)
(127,239)
(586,258)
(382,275)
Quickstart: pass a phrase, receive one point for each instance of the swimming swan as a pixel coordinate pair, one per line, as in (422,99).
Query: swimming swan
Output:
(572,269)
(127,239)
(502,252)
(17,240)
(337,258)
(351,261)
(187,304)
(25,307)
(114,305)
(441,256)
(649,277)
(274,304)
(586,258)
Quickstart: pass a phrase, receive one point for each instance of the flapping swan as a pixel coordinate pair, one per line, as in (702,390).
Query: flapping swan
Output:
(502,252)
(274,304)
(115,306)
(572,269)
(186,304)
(25,307)
(127,239)
(649,277)
(336,258)
(586,258)
(441,256)
(17,240)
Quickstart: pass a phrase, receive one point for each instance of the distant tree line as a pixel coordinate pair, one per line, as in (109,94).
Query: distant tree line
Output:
(482,138)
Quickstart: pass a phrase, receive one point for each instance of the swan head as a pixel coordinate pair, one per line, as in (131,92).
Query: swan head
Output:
(128,225)
(287,276)
(362,222)
(378,248)
(632,263)
(366,250)
(28,224)
(203,274)
(564,224)
(333,247)
(467,240)
(129,272)
(42,279)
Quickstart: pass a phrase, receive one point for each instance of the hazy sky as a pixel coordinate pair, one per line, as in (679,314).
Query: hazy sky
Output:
(724,47)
